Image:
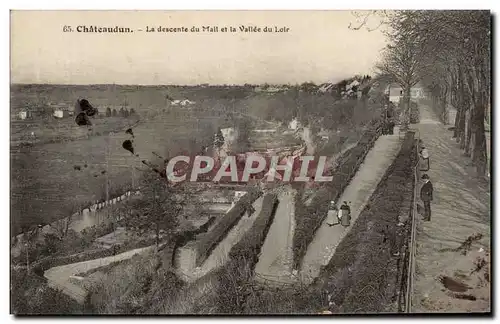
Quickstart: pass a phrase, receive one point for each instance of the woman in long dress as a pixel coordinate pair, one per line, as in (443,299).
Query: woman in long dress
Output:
(345,209)
(332,217)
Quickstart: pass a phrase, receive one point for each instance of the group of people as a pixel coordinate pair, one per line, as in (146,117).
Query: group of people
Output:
(340,216)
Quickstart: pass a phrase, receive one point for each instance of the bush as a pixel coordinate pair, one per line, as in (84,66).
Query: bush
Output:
(30,295)
(142,285)
(208,241)
(359,274)
(414,113)
(235,277)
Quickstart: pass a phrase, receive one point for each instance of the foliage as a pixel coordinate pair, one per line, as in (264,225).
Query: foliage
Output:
(219,139)
(142,285)
(205,244)
(235,277)
(30,295)
(159,204)
(363,269)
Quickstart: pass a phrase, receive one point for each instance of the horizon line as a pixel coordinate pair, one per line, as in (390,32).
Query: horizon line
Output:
(173,84)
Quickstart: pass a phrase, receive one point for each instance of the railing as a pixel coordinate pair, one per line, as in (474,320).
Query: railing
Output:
(408,267)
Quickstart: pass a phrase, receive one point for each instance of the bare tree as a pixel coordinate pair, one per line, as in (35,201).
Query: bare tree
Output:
(404,57)
(457,68)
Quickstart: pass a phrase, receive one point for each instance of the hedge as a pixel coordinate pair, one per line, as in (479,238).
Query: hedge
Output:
(362,274)
(205,244)
(249,246)
(236,275)
(309,218)
(44,264)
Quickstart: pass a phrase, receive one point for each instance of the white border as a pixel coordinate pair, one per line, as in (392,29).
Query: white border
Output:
(149,5)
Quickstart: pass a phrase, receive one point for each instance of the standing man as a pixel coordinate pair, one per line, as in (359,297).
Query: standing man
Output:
(426,196)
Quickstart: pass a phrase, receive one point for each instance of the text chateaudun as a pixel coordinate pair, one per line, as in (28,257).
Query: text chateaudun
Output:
(100,29)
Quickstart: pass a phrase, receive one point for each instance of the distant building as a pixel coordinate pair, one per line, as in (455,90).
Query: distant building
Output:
(23,115)
(184,102)
(58,113)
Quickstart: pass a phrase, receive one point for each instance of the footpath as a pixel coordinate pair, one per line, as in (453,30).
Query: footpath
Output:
(60,277)
(276,259)
(358,192)
(460,210)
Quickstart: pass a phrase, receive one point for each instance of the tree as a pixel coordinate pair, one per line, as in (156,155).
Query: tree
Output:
(449,52)
(114,113)
(159,204)
(108,112)
(219,139)
(403,58)
(457,71)
(308,87)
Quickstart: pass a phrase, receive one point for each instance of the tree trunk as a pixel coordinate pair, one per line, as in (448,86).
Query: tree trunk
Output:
(444,104)
(461,126)
(467,133)
(456,133)
(406,105)
(479,139)
(458,104)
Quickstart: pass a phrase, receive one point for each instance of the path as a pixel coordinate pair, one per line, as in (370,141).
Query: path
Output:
(59,277)
(461,208)
(276,258)
(220,254)
(358,192)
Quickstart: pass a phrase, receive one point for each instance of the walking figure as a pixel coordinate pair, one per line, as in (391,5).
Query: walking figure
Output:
(345,212)
(333,215)
(426,194)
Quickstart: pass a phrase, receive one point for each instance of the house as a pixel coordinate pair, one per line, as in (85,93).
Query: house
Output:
(23,114)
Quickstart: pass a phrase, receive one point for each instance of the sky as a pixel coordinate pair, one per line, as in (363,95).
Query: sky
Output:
(318,47)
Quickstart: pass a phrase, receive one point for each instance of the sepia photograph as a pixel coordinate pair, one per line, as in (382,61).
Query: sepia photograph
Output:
(285,162)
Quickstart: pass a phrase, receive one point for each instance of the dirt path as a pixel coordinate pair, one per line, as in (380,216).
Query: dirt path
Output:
(461,208)
(59,277)
(221,252)
(276,258)
(358,192)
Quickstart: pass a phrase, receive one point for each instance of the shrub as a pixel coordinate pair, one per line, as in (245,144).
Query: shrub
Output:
(367,249)
(208,241)
(30,295)
(235,277)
